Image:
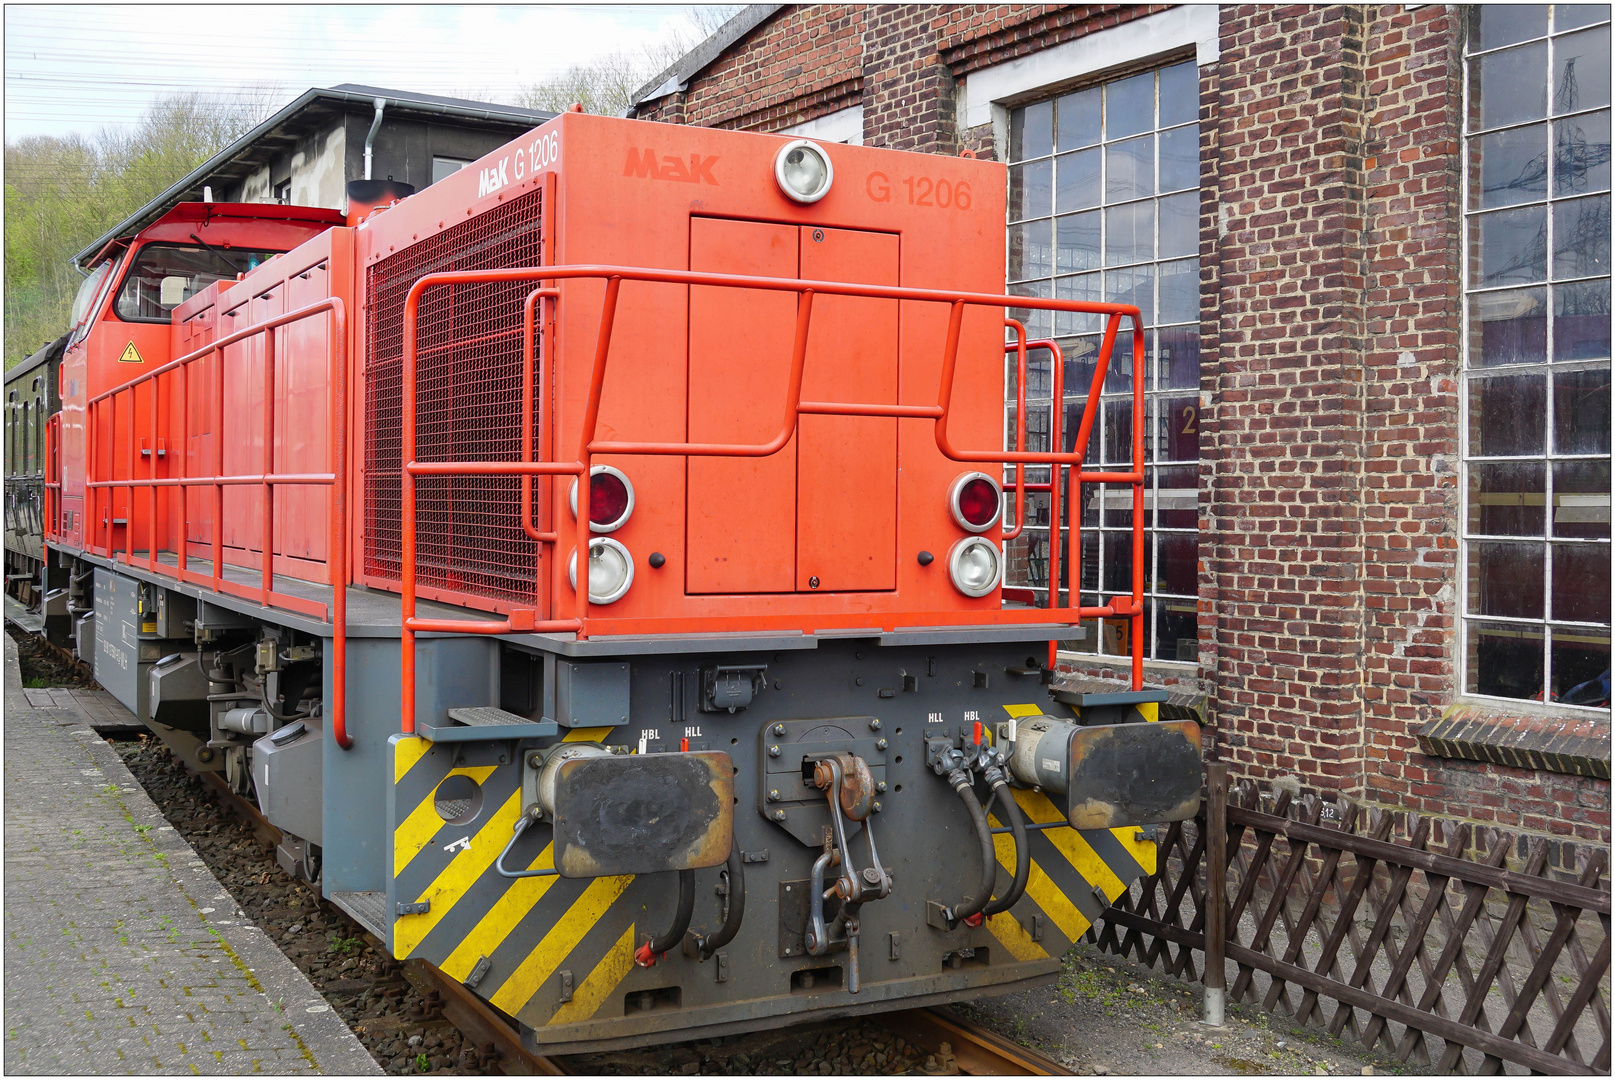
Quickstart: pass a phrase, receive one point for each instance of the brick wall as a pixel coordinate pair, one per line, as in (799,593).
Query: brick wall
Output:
(1330,283)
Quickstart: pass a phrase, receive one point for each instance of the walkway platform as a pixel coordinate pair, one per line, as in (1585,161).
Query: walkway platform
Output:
(123,953)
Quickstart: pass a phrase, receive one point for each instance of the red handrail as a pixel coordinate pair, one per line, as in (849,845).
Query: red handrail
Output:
(336,479)
(525,619)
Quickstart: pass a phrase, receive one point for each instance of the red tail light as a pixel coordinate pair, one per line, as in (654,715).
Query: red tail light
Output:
(976,501)
(611,499)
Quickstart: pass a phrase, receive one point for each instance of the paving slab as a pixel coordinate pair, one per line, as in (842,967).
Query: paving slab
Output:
(123,953)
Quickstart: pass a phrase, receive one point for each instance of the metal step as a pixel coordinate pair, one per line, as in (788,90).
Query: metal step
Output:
(484,722)
(369,909)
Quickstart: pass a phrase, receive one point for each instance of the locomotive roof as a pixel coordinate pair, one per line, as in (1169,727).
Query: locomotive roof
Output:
(310,110)
(51,350)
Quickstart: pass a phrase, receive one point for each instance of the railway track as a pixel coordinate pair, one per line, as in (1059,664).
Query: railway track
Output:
(959,1046)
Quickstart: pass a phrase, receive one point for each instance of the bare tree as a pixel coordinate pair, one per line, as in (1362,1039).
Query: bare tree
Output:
(606,86)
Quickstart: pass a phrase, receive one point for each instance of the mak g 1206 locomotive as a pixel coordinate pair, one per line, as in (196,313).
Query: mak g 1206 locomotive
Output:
(740,731)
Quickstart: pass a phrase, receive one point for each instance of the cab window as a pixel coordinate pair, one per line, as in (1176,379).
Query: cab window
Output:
(84,299)
(166,275)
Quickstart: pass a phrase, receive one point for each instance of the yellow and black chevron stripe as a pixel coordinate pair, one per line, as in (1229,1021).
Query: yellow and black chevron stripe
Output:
(530,930)
(1071,869)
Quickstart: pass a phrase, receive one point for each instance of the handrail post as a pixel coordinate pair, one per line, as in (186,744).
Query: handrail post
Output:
(267,526)
(1214,980)
(151,536)
(182,544)
(406,501)
(217,426)
(338,553)
(1138,505)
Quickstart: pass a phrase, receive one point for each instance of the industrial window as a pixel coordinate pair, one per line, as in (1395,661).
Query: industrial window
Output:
(1536,440)
(283,191)
(442,166)
(1104,204)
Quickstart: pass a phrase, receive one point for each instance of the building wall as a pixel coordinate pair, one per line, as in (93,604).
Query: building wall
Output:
(1330,474)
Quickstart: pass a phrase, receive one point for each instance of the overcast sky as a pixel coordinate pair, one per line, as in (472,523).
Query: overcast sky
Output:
(77,69)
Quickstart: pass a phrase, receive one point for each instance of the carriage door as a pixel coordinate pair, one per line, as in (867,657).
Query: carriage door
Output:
(819,514)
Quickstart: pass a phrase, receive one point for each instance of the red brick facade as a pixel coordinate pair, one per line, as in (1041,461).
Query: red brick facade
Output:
(1331,283)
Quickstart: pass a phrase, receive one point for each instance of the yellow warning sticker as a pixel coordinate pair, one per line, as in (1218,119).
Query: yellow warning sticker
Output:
(131,355)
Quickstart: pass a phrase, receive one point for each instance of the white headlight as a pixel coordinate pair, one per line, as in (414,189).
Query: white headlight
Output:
(975,566)
(611,570)
(803,171)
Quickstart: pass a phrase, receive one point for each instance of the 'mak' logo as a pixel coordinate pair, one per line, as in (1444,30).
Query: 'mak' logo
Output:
(643,164)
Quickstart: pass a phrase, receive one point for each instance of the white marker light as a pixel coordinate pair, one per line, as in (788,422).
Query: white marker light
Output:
(611,570)
(975,566)
(803,171)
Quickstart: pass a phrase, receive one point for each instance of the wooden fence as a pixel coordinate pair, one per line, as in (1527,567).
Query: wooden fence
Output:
(1422,943)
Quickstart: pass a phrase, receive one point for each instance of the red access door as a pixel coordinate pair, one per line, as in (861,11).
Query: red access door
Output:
(819,515)
(846,481)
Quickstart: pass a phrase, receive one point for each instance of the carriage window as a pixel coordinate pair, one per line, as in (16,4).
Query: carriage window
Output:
(1536,551)
(166,275)
(1104,205)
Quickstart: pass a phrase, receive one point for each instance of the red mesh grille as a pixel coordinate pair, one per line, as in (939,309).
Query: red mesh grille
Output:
(468,395)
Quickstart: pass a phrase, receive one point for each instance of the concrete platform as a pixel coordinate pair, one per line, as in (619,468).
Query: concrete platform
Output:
(123,953)
(73,706)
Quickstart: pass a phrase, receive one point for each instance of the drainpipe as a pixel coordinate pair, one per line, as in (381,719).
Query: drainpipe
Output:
(369,139)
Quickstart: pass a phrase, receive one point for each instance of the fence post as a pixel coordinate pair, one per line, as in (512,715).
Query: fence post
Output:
(1215,980)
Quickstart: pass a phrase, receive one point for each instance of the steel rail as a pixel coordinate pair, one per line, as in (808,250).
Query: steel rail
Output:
(975,1050)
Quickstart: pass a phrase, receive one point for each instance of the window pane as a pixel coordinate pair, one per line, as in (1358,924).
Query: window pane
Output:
(1118,503)
(1031,192)
(1180,159)
(1570,16)
(1179,357)
(1077,241)
(1509,327)
(1180,225)
(1180,291)
(1119,374)
(1078,180)
(1130,105)
(1030,250)
(1581,154)
(1180,94)
(1503,660)
(1031,131)
(1505,578)
(1037,321)
(1129,169)
(1180,416)
(1581,499)
(1131,286)
(1078,119)
(1581,582)
(1581,412)
(1514,246)
(1511,86)
(1512,166)
(1581,320)
(1118,440)
(1174,568)
(1117,575)
(1581,71)
(1507,415)
(1071,425)
(1507,499)
(1581,237)
(1084,287)
(1026,559)
(1581,666)
(1129,233)
(1176,497)
(1504,24)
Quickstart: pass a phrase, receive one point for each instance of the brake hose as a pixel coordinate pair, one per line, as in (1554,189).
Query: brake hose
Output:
(710,944)
(651,951)
(960,779)
(1023,853)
